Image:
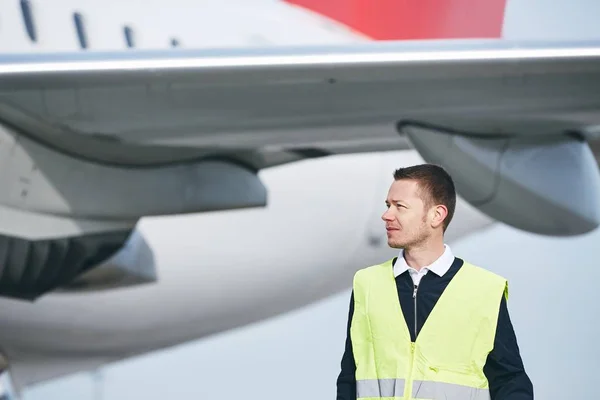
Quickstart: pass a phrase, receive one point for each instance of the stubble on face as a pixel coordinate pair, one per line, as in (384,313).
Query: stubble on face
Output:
(406,216)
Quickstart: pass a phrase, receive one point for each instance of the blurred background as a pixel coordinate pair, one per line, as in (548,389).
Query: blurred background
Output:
(171,228)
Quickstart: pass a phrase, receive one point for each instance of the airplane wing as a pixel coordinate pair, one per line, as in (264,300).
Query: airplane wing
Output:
(91,142)
(144,108)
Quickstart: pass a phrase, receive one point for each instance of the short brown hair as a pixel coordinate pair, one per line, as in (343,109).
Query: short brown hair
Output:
(435,184)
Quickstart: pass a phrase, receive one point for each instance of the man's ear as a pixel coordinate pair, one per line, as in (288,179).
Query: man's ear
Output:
(440,212)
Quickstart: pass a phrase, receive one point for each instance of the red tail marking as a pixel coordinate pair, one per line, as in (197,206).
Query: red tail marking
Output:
(415,19)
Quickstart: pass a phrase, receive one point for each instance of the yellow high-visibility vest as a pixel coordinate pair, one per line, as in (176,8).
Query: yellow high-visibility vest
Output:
(447,359)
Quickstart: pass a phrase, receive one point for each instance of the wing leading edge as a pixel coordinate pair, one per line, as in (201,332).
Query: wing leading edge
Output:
(314,99)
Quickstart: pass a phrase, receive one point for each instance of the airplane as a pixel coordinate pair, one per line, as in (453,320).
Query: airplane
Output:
(175,172)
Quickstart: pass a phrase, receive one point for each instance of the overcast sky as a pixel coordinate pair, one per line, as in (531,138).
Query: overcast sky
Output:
(552,298)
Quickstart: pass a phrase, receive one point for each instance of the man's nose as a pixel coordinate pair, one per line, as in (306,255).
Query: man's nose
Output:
(387,215)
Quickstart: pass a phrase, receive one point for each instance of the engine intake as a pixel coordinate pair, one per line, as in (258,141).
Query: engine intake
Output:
(132,265)
(30,268)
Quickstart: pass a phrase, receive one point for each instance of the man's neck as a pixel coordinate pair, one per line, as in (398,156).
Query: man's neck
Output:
(423,255)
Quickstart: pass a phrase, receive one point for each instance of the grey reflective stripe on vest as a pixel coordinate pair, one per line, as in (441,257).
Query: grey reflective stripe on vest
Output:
(447,391)
(380,388)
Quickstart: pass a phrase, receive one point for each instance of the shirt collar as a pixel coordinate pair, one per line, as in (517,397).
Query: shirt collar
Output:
(439,266)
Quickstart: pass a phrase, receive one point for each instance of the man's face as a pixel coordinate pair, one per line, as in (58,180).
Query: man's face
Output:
(406,216)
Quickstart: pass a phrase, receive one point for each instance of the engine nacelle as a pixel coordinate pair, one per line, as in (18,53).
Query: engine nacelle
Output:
(63,218)
(39,179)
(548,186)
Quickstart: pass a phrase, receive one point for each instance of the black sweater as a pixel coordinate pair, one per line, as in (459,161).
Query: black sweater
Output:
(504,367)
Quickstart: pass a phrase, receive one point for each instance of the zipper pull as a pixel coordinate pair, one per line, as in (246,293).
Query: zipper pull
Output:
(415,291)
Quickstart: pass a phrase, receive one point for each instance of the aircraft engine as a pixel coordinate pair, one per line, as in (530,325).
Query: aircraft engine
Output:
(63,216)
(544,185)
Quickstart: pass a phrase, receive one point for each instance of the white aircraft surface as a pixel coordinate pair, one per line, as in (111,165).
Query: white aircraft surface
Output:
(176,169)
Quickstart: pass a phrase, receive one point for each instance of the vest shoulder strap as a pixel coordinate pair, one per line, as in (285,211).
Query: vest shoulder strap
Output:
(364,278)
(384,267)
(483,275)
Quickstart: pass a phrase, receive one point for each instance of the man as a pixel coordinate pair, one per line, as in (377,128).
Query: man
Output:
(428,325)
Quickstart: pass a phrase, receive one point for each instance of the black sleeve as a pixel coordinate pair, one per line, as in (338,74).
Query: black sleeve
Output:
(346,381)
(504,368)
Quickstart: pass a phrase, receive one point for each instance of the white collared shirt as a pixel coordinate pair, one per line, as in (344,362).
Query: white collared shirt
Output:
(438,267)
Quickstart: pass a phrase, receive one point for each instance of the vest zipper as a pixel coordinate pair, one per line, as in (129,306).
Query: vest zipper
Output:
(416,287)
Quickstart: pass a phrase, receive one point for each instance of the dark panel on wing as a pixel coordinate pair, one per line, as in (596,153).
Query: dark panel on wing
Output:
(311,152)
(32,268)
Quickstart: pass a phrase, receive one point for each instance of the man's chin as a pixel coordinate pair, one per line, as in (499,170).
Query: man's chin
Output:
(394,244)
